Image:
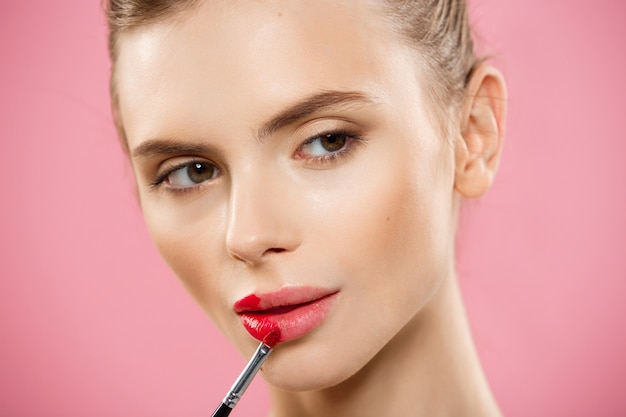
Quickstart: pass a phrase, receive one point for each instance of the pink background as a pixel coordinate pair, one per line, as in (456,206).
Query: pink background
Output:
(93,324)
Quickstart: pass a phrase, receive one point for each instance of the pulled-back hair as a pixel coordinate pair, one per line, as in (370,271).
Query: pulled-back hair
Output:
(438,29)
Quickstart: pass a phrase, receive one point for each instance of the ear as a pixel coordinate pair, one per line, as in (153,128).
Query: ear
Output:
(483,117)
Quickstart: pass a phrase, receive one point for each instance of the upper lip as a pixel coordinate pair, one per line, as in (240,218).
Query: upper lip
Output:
(284,297)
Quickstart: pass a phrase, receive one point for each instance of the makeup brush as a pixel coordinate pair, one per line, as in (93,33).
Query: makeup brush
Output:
(248,373)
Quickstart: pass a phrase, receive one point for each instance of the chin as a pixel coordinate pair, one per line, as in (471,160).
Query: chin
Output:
(303,368)
(314,377)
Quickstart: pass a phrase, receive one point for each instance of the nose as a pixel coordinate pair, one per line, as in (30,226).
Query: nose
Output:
(260,222)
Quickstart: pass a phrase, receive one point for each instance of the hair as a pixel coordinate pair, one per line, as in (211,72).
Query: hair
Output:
(438,29)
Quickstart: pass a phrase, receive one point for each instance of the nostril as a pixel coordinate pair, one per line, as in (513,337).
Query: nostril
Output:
(275,250)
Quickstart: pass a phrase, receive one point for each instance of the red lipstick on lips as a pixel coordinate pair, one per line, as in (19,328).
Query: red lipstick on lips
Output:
(286,314)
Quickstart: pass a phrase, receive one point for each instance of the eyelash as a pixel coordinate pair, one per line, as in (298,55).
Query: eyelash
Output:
(161,178)
(352,140)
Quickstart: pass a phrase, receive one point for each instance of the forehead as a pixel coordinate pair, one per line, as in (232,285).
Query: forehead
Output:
(248,55)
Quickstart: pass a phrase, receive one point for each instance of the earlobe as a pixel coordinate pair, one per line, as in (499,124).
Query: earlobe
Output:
(479,145)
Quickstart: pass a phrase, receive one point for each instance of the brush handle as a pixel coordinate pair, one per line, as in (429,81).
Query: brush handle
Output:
(222,411)
(240,385)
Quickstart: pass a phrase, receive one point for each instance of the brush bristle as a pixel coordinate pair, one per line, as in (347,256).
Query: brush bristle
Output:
(271,338)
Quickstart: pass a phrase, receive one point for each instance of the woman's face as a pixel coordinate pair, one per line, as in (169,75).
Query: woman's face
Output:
(290,172)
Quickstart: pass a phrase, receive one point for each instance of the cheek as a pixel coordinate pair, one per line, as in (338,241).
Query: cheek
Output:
(405,238)
(384,234)
(395,236)
(188,240)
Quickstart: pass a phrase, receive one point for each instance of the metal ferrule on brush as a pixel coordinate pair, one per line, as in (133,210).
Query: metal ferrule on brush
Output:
(246,376)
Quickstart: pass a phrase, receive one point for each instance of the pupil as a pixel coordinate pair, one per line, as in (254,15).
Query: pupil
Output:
(200,172)
(333,142)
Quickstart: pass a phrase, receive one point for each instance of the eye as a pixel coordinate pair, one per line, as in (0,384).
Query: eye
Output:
(325,146)
(188,175)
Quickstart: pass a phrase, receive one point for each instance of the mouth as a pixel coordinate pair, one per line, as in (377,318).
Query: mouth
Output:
(292,311)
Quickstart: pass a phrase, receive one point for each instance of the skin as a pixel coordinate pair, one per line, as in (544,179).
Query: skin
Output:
(374,220)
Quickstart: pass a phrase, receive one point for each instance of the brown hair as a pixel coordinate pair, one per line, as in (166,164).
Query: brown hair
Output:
(438,29)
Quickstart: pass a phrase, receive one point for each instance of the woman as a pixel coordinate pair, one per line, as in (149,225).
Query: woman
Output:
(302,163)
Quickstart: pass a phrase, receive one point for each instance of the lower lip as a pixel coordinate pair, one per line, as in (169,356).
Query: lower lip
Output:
(293,322)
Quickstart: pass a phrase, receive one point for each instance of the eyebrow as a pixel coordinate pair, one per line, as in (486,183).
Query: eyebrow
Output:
(171,147)
(322,101)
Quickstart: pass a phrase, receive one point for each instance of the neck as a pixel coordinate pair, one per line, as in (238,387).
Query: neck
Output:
(430,368)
